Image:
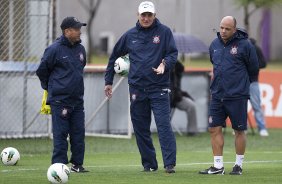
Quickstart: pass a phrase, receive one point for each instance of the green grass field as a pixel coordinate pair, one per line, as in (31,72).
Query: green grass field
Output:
(117,161)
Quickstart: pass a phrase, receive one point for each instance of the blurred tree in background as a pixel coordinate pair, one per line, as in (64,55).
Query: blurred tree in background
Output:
(250,6)
(91,6)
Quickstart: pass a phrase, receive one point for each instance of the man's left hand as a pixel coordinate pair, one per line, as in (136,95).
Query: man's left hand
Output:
(160,69)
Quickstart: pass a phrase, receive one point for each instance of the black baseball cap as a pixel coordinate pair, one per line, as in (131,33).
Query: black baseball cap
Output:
(71,22)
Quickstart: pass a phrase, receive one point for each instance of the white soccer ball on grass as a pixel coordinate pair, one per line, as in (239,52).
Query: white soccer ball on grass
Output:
(122,65)
(10,156)
(58,173)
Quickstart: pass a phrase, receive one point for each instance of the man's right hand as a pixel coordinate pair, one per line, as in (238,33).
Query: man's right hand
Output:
(108,91)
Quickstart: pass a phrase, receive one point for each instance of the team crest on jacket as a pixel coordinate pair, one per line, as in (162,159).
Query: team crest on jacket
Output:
(156,39)
(210,119)
(234,50)
(81,57)
(64,112)
(133,97)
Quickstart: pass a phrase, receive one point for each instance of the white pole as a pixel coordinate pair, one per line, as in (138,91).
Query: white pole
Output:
(129,133)
(49,126)
(102,103)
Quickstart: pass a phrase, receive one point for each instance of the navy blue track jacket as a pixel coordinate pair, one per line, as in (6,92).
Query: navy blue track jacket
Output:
(61,72)
(146,49)
(235,64)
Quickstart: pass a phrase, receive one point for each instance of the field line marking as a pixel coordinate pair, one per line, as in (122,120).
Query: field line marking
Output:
(189,164)
(22,169)
(185,164)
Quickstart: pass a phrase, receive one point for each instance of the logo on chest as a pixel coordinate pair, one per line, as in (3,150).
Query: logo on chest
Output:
(133,97)
(156,39)
(81,57)
(234,50)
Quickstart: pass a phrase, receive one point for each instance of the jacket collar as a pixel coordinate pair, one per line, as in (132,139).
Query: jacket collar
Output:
(65,41)
(155,23)
(239,34)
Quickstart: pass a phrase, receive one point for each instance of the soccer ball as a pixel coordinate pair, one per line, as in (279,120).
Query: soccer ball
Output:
(58,173)
(122,65)
(10,156)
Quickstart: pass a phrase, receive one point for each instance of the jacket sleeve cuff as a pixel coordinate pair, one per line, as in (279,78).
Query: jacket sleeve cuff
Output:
(108,83)
(252,79)
(44,86)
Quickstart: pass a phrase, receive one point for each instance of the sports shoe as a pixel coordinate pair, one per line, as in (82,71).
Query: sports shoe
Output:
(78,169)
(169,169)
(263,133)
(237,170)
(147,169)
(213,170)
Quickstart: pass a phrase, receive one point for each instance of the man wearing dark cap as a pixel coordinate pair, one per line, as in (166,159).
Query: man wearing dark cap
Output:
(61,74)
